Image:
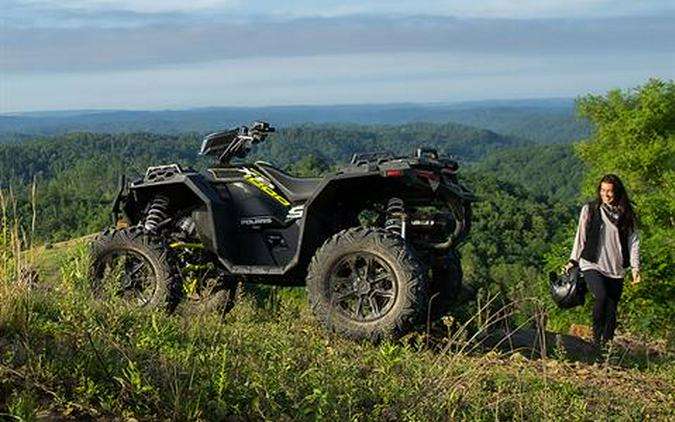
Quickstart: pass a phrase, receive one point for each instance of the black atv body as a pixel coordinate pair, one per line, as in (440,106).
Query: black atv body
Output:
(253,222)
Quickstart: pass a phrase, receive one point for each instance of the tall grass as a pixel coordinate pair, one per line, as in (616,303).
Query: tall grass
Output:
(88,358)
(17,257)
(62,353)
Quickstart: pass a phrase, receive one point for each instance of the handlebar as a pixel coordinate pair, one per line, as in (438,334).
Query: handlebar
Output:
(263,127)
(235,142)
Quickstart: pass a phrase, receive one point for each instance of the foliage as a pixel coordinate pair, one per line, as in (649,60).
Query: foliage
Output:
(551,171)
(511,233)
(634,137)
(309,166)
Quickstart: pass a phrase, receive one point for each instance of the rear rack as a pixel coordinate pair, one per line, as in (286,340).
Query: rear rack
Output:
(371,157)
(162,173)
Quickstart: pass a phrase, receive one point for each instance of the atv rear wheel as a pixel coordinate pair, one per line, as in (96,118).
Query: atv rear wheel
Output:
(133,266)
(367,283)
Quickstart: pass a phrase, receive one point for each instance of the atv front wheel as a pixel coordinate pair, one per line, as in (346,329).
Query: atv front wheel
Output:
(133,266)
(367,283)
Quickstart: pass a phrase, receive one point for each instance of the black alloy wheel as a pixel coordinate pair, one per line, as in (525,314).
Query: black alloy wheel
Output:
(128,275)
(134,266)
(365,286)
(367,283)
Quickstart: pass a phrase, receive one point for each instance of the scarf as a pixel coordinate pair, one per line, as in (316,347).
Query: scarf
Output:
(612,212)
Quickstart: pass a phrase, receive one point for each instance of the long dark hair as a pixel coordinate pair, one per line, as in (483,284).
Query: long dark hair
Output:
(627,217)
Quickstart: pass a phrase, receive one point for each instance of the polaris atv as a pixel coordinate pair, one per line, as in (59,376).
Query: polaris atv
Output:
(374,242)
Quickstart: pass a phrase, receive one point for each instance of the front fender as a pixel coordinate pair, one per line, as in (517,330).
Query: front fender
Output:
(187,192)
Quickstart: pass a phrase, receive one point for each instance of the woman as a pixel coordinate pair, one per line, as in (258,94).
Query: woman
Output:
(606,243)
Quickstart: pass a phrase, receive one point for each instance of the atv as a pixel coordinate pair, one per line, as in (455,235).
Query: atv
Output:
(375,242)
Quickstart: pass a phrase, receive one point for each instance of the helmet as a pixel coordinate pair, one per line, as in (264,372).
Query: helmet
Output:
(568,290)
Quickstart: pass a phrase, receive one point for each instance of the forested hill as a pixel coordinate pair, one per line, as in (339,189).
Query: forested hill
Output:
(550,171)
(541,121)
(336,144)
(77,173)
(51,156)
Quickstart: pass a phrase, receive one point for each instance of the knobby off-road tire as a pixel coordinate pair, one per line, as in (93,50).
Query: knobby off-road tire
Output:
(131,264)
(367,283)
(446,284)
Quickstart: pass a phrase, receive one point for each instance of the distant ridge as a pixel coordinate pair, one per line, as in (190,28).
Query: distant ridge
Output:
(523,102)
(540,120)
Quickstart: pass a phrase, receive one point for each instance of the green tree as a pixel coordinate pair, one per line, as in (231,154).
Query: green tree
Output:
(634,137)
(309,166)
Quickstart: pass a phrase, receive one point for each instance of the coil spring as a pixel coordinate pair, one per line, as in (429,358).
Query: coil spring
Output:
(157,213)
(395,218)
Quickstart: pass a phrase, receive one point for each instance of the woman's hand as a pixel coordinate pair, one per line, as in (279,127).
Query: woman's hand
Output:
(568,267)
(636,276)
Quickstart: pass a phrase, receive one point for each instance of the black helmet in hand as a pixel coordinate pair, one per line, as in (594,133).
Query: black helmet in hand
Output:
(568,290)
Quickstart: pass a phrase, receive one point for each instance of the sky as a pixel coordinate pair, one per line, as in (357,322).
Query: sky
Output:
(176,54)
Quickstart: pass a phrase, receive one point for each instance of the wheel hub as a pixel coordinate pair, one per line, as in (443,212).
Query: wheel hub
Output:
(364,286)
(130,276)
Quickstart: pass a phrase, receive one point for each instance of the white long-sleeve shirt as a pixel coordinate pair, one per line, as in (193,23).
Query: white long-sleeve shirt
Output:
(610,259)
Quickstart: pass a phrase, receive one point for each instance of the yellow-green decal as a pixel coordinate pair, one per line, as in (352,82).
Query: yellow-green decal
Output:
(258,180)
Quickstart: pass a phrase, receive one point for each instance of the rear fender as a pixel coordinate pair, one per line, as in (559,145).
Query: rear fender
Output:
(335,206)
(337,203)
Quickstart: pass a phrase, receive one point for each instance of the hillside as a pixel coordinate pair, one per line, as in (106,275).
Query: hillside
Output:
(268,359)
(335,143)
(545,170)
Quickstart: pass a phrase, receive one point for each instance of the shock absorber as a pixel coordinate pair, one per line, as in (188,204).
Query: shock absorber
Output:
(157,213)
(395,220)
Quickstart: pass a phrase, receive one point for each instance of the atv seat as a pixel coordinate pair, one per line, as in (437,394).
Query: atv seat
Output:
(296,189)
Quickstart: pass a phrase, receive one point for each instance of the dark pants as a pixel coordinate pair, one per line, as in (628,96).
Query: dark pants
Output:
(607,292)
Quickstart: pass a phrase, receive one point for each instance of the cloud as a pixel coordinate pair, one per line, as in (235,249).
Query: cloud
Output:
(139,6)
(99,49)
(58,54)
(79,13)
(521,9)
(330,79)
